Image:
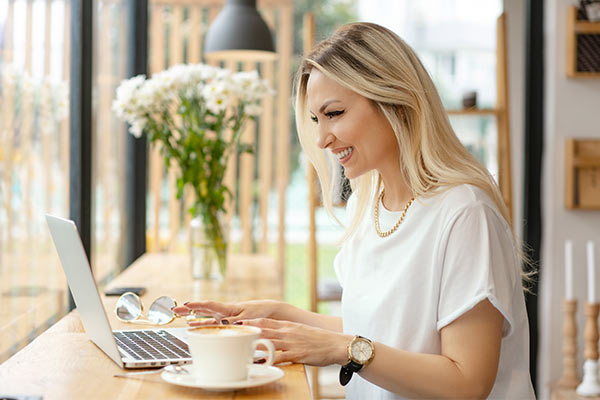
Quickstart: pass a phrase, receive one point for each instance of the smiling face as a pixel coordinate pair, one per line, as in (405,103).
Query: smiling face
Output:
(352,128)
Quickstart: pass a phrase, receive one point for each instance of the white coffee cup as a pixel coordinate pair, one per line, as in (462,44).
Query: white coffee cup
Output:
(224,353)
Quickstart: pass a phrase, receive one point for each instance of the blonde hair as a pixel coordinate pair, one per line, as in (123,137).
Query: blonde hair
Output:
(375,63)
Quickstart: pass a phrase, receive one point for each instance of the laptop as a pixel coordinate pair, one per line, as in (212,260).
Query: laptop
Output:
(140,348)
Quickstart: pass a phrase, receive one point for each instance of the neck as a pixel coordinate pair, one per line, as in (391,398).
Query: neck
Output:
(397,194)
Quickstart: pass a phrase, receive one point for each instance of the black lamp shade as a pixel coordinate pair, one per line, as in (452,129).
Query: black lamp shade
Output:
(239,32)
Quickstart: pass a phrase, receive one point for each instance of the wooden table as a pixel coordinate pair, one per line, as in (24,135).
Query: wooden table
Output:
(63,363)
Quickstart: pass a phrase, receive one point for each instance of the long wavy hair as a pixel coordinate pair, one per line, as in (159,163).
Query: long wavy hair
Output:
(375,63)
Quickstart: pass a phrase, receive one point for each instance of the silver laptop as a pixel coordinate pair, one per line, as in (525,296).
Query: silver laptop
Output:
(143,348)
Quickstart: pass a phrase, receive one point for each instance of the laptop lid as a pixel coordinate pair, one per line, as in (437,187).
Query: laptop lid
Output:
(83,287)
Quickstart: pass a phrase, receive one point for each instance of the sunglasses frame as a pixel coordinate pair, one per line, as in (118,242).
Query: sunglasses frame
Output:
(137,319)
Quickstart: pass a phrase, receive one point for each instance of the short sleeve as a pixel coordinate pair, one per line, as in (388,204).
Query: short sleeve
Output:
(337,268)
(479,261)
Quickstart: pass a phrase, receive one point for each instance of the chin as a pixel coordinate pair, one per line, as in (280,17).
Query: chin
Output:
(351,174)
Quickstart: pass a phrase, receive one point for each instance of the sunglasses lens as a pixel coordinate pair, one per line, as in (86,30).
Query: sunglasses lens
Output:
(129,307)
(160,311)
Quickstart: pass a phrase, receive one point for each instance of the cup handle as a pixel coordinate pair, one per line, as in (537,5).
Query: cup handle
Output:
(269,345)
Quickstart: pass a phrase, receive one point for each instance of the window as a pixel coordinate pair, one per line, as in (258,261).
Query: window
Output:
(35,40)
(109,137)
(34,165)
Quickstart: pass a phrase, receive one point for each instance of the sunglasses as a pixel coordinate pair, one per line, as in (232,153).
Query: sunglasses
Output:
(129,308)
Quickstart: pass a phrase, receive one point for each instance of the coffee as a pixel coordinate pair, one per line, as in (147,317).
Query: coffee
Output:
(222,353)
(223,330)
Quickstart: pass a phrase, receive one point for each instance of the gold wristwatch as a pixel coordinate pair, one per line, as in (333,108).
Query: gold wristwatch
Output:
(360,352)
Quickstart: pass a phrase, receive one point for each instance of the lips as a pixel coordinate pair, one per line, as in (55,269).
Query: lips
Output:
(344,153)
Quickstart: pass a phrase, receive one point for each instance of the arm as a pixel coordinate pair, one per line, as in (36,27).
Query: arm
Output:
(466,367)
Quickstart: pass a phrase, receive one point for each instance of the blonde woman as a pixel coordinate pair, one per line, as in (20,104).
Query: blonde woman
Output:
(432,303)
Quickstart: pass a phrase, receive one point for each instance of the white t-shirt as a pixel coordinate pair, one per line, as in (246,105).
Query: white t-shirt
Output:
(451,252)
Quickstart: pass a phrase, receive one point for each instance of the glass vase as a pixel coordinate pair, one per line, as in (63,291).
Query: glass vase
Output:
(208,248)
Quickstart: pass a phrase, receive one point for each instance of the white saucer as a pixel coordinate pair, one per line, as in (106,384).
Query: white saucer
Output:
(258,375)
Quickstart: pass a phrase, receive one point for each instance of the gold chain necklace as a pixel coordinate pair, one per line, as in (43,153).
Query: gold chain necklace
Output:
(388,233)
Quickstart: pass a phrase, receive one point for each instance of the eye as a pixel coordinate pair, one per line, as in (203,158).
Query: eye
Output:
(332,114)
(314,119)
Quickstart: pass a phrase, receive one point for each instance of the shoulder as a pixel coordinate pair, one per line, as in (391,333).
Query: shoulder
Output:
(461,196)
(452,203)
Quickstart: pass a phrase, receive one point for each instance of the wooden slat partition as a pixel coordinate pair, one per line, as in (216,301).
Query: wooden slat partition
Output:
(230,173)
(157,63)
(284,48)
(246,178)
(503,121)
(175,57)
(253,183)
(265,150)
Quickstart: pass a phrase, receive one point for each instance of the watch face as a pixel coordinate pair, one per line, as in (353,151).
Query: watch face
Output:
(361,351)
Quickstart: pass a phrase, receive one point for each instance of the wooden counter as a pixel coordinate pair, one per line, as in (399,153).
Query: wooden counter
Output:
(63,363)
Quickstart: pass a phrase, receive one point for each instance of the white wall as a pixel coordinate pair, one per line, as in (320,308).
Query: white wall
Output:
(572,109)
(515,43)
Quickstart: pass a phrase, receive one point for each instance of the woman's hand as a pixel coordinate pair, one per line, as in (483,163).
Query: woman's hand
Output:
(228,313)
(299,343)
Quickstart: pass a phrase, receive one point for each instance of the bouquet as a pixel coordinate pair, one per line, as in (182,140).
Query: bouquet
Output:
(196,114)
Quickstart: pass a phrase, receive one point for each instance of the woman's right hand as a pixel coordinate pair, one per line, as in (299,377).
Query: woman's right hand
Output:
(228,313)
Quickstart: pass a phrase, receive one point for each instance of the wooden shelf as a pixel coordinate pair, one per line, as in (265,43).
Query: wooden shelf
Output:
(473,111)
(578,27)
(584,75)
(582,174)
(586,27)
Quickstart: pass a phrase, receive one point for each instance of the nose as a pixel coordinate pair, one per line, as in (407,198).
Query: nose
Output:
(325,138)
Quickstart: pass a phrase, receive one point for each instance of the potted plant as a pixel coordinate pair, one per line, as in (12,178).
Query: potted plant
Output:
(195,113)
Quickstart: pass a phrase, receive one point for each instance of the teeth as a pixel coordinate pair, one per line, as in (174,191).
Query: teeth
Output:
(344,153)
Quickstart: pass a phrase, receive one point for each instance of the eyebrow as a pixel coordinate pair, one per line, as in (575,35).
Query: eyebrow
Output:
(328,102)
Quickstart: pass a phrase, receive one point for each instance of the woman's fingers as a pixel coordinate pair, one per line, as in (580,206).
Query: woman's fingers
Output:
(206,308)
(284,356)
(182,311)
(280,344)
(272,334)
(210,306)
(265,323)
(203,321)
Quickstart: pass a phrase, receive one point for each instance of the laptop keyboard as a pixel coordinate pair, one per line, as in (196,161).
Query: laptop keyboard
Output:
(151,345)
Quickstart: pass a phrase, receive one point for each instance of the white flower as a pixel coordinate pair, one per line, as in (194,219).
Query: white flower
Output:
(137,127)
(218,95)
(216,103)
(126,103)
(250,88)
(219,92)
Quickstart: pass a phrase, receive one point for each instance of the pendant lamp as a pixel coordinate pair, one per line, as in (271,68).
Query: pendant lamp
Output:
(239,33)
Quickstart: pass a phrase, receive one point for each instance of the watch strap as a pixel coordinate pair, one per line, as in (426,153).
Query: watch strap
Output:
(347,370)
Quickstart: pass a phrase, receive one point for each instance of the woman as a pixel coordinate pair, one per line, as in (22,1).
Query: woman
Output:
(432,301)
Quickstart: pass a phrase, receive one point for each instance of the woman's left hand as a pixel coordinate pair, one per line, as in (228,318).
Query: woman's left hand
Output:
(299,343)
